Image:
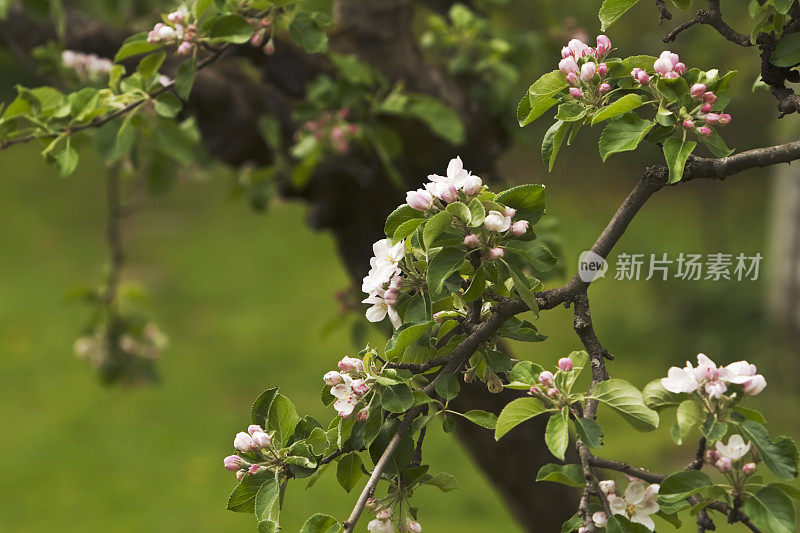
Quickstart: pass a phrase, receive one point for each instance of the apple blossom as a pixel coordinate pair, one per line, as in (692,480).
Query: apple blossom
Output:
(363,414)
(709,97)
(712,456)
(380,526)
(472,241)
(396,282)
(456,174)
(604,88)
(635,72)
(383,514)
(412,526)
(724,119)
(575,93)
(662,66)
(496,253)
(643,78)
(240,475)
(603,45)
(552,393)
(178,16)
(380,308)
(390,296)
(346,399)
(472,185)
(185,48)
(359,386)
(680,68)
(566,52)
(588,70)
(599,519)
(755,385)
(534,391)
(350,364)
(332,378)
(638,503)
(384,265)
(565,364)
(749,468)
(680,380)
(243,442)
(579,48)
(569,65)
(255,469)
(573,79)
(706,108)
(581,529)
(261,439)
(443,190)
(735,449)
(698,90)
(421,199)
(546,378)
(602,70)
(519,228)
(495,221)
(688,124)
(672,75)
(234,462)
(712,119)
(608,486)
(253,428)
(715,388)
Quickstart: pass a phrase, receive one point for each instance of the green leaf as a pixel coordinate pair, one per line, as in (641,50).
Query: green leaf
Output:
(348,471)
(787,51)
(712,429)
(525,372)
(612,10)
(308,30)
(230,29)
(535,254)
(260,407)
(321,523)
(556,436)
(623,134)
(681,485)
(134,45)
(243,497)
(621,524)
(477,213)
(771,509)
(407,228)
(150,64)
(168,105)
(481,418)
(629,102)
(656,397)
(570,475)
(627,401)
(403,337)
(403,453)
(690,413)
(716,145)
(460,210)
(673,90)
(521,286)
(447,386)
(443,481)
(540,96)
(282,418)
(552,142)
(266,498)
(397,398)
(529,201)
(67,160)
(185,78)
(780,456)
(435,226)
(589,431)
(515,413)
(684,5)
(402,214)
(751,414)
(782,6)
(442,266)
(573,524)
(570,112)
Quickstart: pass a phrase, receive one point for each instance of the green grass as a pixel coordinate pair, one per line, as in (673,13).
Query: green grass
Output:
(235,290)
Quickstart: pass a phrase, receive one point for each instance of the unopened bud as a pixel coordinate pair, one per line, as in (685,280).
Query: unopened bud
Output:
(599,519)
(688,124)
(269,48)
(680,68)
(472,185)
(573,79)
(749,468)
(390,296)
(421,200)
(261,439)
(494,385)
(698,90)
(575,93)
(706,108)
(724,464)
(552,393)
(724,119)
(472,241)
(233,463)
(608,486)
(243,442)
(565,364)
(604,88)
(519,228)
(709,97)
(704,131)
(635,73)
(240,475)
(363,414)
(602,70)
(254,469)
(509,211)
(535,391)
(185,48)
(603,45)
(712,119)
(396,282)
(253,428)
(712,456)
(412,526)
(643,78)
(370,503)
(332,378)
(439,316)
(588,70)
(496,253)
(546,378)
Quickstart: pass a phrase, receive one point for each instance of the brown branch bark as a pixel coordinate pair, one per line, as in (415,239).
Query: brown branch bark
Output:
(711,17)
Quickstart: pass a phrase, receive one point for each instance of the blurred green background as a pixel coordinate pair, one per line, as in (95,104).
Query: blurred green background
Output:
(244,297)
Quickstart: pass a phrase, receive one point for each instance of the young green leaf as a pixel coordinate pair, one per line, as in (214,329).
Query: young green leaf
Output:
(348,471)
(629,102)
(435,226)
(623,134)
(400,215)
(321,523)
(442,266)
(612,10)
(780,456)
(656,397)
(690,413)
(676,152)
(515,413)
(481,418)
(540,97)
(681,485)
(627,401)
(556,435)
(443,481)
(397,398)
(447,386)
(771,509)
(282,418)
(230,29)
(529,200)
(589,431)
(553,139)
(570,475)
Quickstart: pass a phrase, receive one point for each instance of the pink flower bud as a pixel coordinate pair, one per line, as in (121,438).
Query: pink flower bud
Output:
(755,385)
(337,133)
(546,378)
(177,16)
(472,241)
(581,529)
(671,57)
(269,48)
(704,131)
(233,463)
(608,486)
(360,387)
(706,108)
(243,442)
(724,464)
(519,228)
(565,364)
(724,119)
(602,70)
(688,124)
(472,185)
(363,414)
(390,296)
(535,391)
(712,456)
(749,468)
(680,68)
(509,212)
(240,475)
(671,75)
(566,52)
(332,378)
(153,38)
(412,526)
(575,93)
(185,48)
(603,45)
(599,519)
(712,119)
(496,253)
(573,79)
(253,428)
(698,90)
(370,503)
(254,469)
(257,39)
(588,70)
(604,88)
(643,78)
(635,73)
(261,439)
(709,97)
(662,65)
(396,282)
(350,364)
(383,514)
(568,64)
(552,393)
(421,200)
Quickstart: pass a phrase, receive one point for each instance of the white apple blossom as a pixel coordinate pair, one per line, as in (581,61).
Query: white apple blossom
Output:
(380,308)
(413,526)
(497,222)
(755,385)
(346,399)
(443,190)
(380,526)
(599,518)
(638,503)
(384,264)
(243,442)
(332,378)
(680,379)
(455,174)
(735,449)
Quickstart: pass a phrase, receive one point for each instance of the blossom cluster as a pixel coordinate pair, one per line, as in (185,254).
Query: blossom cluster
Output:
(255,444)
(176,30)
(583,67)
(638,503)
(700,118)
(383,281)
(261,37)
(382,523)
(86,66)
(712,381)
(546,390)
(727,456)
(348,386)
(332,128)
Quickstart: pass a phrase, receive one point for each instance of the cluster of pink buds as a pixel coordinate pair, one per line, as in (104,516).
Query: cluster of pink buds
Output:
(262,36)
(254,442)
(668,66)
(332,128)
(176,31)
(497,222)
(727,457)
(458,184)
(701,118)
(584,69)
(348,386)
(86,66)
(546,390)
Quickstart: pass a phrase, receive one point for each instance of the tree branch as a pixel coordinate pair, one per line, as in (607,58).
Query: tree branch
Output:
(712,17)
